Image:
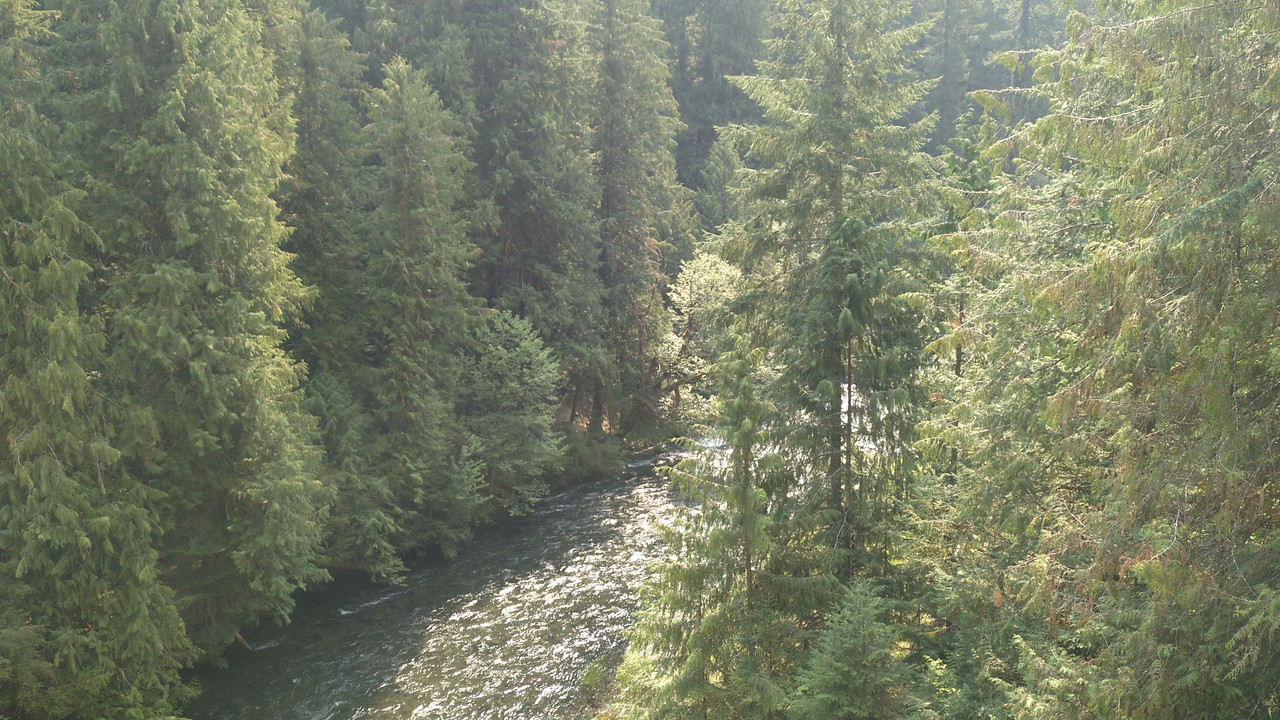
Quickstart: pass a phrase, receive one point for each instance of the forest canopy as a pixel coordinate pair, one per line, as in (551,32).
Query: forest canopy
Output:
(979,298)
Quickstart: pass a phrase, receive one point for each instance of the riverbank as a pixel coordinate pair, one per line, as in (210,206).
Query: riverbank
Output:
(509,628)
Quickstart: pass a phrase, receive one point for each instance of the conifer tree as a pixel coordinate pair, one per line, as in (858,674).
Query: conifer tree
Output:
(522,78)
(965,527)
(326,201)
(711,41)
(437,36)
(507,402)
(643,211)
(420,309)
(87,628)
(1112,434)
(829,241)
(541,256)
(960,42)
(725,621)
(855,671)
(716,200)
(1170,291)
(181,132)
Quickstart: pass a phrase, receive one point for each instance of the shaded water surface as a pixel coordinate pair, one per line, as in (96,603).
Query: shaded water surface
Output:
(507,630)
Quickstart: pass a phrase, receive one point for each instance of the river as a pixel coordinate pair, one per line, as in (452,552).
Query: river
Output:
(527,622)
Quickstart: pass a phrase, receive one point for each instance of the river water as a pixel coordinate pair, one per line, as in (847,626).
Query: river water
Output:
(522,625)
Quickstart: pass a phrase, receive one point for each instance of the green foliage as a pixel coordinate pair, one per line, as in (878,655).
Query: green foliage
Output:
(1109,425)
(326,201)
(74,639)
(711,41)
(828,241)
(588,456)
(856,670)
(1092,529)
(726,619)
(981,47)
(507,403)
(701,298)
(419,310)
(180,132)
(575,209)
(541,259)
(644,213)
(716,200)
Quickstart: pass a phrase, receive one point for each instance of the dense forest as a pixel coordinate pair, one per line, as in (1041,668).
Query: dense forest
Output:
(974,305)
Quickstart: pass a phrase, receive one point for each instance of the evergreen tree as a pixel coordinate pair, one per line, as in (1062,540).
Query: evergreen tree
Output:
(523,78)
(716,200)
(725,621)
(435,35)
(855,671)
(87,628)
(181,132)
(419,309)
(711,41)
(326,200)
(642,208)
(829,243)
(1118,418)
(959,44)
(507,401)
(965,527)
(541,257)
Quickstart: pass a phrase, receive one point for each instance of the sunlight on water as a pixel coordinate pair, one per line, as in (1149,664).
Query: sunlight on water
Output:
(504,631)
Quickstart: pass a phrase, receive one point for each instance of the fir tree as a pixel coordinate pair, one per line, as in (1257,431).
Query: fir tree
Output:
(716,200)
(711,41)
(856,671)
(326,201)
(507,402)
(1112,417)
(726,619)
(541,257)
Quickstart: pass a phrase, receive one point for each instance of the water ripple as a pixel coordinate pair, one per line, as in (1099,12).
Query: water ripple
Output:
(504,632)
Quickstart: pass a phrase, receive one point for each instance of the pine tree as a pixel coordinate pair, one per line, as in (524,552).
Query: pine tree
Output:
(522,78)
(1118,419)
(967,525)
(181,132)
(959,43)
(438,36)
(507,402)
(326,201)
(982,46)
(855,671)
(711,41)
(716,200)
(1173,289)
(541,256)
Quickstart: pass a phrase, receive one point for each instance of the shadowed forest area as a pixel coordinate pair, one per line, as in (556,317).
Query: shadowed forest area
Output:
(978,299)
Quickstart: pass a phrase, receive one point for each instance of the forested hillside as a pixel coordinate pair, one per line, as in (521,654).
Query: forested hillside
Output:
(977,300)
